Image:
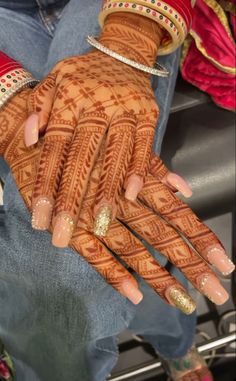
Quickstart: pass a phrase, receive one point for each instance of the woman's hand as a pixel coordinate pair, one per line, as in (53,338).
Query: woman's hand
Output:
(84,101)
(141,216)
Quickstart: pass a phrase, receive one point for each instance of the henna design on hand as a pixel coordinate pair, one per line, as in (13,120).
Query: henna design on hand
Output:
(120,107)
(119,240)
(24,167)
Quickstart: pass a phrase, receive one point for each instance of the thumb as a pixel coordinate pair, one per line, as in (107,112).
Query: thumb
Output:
(40,103)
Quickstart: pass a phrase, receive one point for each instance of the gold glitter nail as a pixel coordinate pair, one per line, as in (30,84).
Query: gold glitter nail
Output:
(102,221)
(181,300)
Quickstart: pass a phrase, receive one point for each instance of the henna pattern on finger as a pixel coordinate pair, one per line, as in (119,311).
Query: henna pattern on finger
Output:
(95,84)
(158,168)
(151,227)
(165,239)
(176,212)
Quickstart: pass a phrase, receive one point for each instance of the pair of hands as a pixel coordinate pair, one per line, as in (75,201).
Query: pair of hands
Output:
(98,127)
(159,217)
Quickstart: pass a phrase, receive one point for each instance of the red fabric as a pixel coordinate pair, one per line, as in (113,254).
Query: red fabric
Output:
(215,38)
(203,74)
(208,69)
(7,64)
(184,8)
(233,24)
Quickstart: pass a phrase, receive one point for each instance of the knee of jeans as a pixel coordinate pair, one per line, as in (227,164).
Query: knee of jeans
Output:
(108,344)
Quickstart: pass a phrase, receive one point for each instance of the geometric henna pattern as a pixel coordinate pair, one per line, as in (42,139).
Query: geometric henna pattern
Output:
(120,240)
(165,239)
(162,200)
(23,162)
(91,98)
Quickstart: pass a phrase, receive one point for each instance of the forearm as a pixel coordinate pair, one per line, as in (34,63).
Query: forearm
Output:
(12,117)
(135,36)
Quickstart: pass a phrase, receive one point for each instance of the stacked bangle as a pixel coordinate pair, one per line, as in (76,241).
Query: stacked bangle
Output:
(12,78)
(173,16)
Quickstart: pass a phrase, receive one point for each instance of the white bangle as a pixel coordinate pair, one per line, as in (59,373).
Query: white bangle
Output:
(156,70)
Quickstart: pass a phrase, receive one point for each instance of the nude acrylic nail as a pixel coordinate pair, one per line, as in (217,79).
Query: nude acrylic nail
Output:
(132,292)
(42,213)
(31,131)
(180,184)
(210,286)
(63,230)
(218,258)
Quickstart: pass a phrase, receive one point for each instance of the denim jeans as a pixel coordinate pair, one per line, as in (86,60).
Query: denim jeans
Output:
(58,316)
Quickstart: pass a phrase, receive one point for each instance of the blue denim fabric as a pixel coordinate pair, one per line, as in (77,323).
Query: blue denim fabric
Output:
(58,317)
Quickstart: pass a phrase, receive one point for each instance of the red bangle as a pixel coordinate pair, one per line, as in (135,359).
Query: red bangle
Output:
(183,7)
(13,77)
(7,64)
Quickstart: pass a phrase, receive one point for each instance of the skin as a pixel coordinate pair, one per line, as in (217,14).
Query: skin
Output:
(140,216)
(88,100)
(129,166)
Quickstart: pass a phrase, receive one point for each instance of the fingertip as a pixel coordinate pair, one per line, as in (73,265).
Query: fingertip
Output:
(132,292)
(134,186)
(63,230)
(31,131)
(217,257)
(180,184)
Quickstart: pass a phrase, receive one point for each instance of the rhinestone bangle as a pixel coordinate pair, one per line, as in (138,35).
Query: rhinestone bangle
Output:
(156,70)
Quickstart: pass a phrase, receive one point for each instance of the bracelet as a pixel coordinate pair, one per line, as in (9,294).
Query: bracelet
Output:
(175,17)
(13,78)
(156,70)
(171,44)
(163,8)
(184,7)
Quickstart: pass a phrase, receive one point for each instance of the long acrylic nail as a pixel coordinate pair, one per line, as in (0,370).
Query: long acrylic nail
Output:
(180,184)
(133,188)
(132,292)
(102,221)
(211,287)
(180,299)
(218,258)
(63,230)
(31,130)
(42,213)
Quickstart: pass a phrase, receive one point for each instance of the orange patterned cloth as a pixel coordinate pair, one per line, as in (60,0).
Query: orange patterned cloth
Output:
(209,52)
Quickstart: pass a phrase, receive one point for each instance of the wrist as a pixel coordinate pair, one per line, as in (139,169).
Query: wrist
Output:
(12,115)
(132,35)
(13,77)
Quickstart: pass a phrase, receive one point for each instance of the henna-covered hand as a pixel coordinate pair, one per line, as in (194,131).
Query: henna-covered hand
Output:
(139,215)
(83,101)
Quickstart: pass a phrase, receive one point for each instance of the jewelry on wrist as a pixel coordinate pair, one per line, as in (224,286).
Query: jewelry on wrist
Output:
(156,70)
(13,78)
(173,40)
(175,20)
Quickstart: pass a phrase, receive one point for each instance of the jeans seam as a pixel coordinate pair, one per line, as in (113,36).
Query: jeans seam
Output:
(43,18)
